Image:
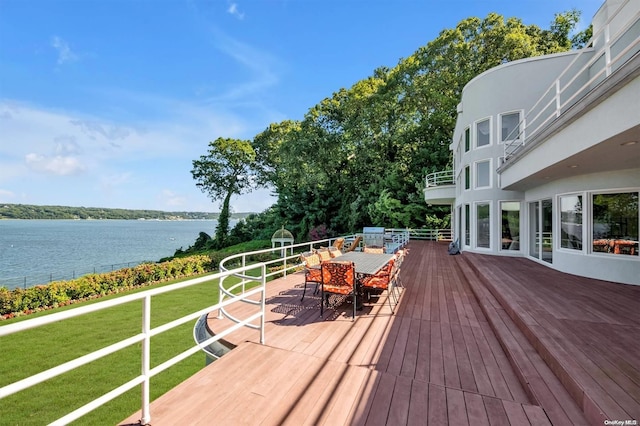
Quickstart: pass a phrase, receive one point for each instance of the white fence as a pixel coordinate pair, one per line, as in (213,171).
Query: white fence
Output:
(144,337)
(252,282)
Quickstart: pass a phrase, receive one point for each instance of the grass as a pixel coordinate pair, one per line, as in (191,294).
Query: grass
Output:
(31,351)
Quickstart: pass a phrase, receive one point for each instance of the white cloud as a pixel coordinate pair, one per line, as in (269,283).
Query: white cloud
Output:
(120,165)
(95,129)
(55,165)
(6,195)
(65,54)
(233,10)
(172,199)
(261,65)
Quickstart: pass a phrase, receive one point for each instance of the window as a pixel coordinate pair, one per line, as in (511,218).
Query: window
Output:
(510,216)
(483,225)
(467,225)
(459,225)
(483,174)
(615,223)
(571,222)
(467,139)
(509,126)
(534,229)
(483,133)
(467,178)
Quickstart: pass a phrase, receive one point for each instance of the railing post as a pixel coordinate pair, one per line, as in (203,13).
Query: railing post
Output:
(244,282)
(146,356)
(607,51)
(220,294)
(263,302)
(558,97)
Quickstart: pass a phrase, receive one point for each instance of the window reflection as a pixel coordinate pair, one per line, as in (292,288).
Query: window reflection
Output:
(510,212)
(483,223)
(615,223)
(571,222)
(482,133)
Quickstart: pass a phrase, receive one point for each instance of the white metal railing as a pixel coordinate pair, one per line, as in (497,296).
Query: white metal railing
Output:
(396,238)
(444,177)
(288,261)
(144,337)
(430,234)
(588,68)
(255,275)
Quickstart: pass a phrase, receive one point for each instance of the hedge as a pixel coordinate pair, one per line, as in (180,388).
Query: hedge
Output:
(19,301)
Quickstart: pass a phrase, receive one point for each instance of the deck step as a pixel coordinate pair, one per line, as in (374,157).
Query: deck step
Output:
(538,380)
(559,316)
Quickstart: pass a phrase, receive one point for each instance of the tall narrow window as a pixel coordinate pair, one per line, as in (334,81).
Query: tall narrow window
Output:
(534,229)
(459,223)
(467,139)
(483,174)
(510,216)
(467,225)
(467,178)
(615,223)
(483,225)
(483,133)
(546,208)
(509,127)
(571,222)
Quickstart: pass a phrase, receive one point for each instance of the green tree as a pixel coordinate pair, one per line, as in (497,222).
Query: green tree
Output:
(359,157)
(225,170)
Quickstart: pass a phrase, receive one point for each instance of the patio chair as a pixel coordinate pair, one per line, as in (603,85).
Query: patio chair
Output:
(324,254)
(312,271)
(354,244)
(383,280)
(334,252)
(373,249)
(338,277)
(338,243)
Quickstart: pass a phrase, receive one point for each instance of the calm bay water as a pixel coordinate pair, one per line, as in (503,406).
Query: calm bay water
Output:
(38,251)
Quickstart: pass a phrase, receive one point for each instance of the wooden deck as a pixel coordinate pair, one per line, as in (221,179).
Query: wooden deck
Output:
(587,331)
(469,343)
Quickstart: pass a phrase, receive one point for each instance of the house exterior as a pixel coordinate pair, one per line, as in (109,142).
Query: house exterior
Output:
(547,156)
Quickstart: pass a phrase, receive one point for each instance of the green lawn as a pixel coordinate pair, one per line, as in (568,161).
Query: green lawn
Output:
(32,351)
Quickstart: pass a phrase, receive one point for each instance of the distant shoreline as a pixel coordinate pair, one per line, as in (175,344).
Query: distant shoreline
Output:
(29,211)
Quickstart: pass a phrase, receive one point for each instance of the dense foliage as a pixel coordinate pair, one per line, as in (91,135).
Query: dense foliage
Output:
(25,301)
(359,157)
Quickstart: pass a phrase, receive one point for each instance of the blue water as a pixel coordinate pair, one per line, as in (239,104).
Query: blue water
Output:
(38,251)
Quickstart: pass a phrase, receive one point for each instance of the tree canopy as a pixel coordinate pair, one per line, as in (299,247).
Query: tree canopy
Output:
(360,156)
(225,170)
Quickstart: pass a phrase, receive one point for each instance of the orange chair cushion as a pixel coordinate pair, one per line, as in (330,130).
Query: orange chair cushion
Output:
(338,277)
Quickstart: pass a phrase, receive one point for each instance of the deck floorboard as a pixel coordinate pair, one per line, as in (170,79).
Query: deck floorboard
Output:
(451,353)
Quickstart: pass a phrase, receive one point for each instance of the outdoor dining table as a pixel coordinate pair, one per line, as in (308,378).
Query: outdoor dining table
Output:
(366,263)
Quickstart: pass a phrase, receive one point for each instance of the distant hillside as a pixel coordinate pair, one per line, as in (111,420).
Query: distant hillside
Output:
(27,211)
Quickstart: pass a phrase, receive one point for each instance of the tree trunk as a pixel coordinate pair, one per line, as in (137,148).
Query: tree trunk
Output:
(222,230)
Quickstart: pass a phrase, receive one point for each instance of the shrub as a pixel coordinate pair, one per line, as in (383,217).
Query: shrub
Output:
(19,302)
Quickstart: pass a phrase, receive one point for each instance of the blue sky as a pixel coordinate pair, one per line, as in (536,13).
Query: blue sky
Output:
(107,103)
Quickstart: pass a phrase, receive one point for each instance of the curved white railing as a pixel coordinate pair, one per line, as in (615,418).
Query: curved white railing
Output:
(589,67)
(444,177)
(144,337)
(252,282)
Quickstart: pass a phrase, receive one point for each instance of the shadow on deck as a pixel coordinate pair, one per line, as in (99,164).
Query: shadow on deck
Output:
(474,340)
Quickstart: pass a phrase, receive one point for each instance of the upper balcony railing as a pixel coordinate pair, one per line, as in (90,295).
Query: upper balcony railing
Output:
(603,54)
(440,178)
